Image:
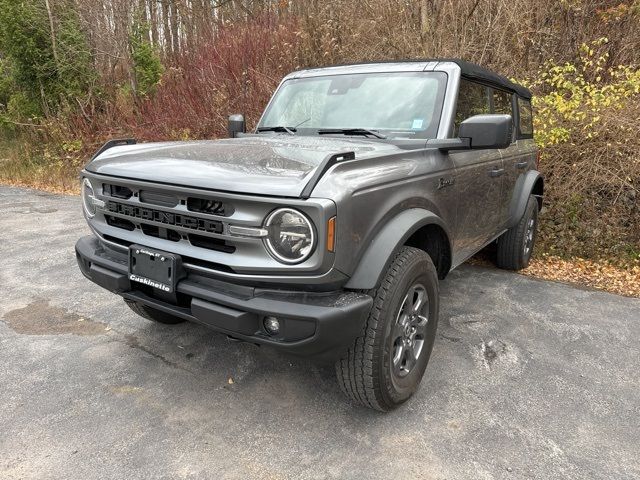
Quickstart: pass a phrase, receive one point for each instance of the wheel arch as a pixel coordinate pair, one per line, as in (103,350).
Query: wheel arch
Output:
(532,183)
(416,227)
(433,239)
(538,191)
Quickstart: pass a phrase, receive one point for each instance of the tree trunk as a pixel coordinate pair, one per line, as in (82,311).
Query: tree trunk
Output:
(153,14)
(425,17)
(166,33)
(175,21)
(54,46)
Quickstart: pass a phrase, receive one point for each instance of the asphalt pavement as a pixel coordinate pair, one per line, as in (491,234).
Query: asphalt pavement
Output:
(528,380)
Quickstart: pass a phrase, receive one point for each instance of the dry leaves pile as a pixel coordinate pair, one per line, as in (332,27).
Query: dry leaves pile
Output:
(601,275)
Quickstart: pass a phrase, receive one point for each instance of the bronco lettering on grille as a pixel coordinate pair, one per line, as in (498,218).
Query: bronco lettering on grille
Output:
(169,218)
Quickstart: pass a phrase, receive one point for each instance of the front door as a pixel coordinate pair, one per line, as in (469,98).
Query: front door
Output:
(478,179)
(478,184)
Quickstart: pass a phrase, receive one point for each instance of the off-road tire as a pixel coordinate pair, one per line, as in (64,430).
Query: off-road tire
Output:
(512,253)
(152,314)
(365,373)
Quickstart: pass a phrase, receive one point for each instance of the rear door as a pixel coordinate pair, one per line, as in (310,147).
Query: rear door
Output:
(478,179)
(520,155)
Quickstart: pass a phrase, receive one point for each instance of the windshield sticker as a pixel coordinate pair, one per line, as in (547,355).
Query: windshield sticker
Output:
(417,124)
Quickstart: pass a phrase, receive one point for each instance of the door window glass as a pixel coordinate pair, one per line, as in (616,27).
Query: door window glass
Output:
(502,102)
(525,127)
(473,99)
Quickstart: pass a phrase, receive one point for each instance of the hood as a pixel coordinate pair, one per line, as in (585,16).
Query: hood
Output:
(269,165)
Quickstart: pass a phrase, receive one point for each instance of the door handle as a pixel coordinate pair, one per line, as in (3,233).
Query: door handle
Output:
(522,164)
(496,172)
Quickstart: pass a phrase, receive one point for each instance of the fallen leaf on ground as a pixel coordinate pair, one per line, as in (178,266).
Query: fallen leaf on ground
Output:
(601,275)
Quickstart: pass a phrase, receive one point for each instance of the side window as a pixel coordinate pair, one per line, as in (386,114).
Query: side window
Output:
(525,126)
(502,102)
(473,99)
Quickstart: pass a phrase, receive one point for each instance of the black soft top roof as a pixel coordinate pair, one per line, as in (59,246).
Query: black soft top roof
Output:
(476,72)
(469,70)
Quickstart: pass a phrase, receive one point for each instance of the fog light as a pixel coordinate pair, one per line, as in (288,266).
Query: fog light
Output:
(271,325)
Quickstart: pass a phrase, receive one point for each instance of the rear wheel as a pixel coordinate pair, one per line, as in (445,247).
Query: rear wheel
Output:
(153,314)
(515,246)
(386,363)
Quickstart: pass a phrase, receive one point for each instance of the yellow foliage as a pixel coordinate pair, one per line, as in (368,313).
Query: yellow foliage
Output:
(573,96)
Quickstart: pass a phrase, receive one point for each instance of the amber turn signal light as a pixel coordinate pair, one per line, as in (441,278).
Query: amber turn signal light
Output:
(331,234)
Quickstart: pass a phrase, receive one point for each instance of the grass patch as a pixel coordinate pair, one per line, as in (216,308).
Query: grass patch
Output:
(26,165)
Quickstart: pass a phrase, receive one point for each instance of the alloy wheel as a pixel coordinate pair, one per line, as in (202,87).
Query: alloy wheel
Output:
(528,237)
(409,330)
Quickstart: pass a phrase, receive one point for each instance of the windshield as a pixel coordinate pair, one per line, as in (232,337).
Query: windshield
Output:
(400,104)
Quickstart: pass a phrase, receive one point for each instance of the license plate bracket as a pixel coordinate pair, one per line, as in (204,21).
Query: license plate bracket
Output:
(158,269)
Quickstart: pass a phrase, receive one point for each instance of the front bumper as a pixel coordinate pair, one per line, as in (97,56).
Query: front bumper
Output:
(321,325)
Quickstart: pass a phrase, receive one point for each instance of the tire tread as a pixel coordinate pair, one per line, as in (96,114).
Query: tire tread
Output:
(356,371)
(509,255)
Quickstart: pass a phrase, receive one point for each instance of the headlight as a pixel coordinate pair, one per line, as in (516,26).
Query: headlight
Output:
(291,238)
(88,198)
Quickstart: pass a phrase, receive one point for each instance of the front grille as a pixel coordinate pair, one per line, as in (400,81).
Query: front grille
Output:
(212,207)
(168,218)
(158,198)
(159,232)
(120,223)
(117,191)
(191,222)
(210,243)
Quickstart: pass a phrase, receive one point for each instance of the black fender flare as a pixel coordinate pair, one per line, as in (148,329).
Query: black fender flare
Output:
(524,186)
(382,248)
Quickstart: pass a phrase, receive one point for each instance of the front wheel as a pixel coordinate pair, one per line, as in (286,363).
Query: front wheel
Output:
(384,366)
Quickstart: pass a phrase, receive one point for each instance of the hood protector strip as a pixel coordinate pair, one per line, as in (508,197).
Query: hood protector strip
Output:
(328,162)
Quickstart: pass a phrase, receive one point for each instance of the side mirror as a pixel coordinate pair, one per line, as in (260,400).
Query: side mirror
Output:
(236,125)
(487,131)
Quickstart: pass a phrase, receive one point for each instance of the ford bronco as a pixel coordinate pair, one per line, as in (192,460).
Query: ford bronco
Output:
(325,231)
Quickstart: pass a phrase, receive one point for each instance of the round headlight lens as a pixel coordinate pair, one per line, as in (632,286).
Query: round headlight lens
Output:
(291,238)
(88,198)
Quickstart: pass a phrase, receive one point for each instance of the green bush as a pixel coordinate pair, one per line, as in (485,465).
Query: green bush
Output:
(51,69)
(575,95)
(147,66)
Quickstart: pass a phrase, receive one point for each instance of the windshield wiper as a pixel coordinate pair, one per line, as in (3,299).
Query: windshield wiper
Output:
(351,131)
(279,128)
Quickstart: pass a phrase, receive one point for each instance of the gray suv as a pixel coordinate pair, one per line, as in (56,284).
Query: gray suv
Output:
(325,231)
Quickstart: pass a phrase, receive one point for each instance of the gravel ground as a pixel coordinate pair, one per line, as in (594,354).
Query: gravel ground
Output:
(528,379)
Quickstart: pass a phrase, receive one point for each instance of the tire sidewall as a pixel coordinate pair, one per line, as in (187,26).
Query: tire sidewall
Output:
(397,390)
(531,213)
